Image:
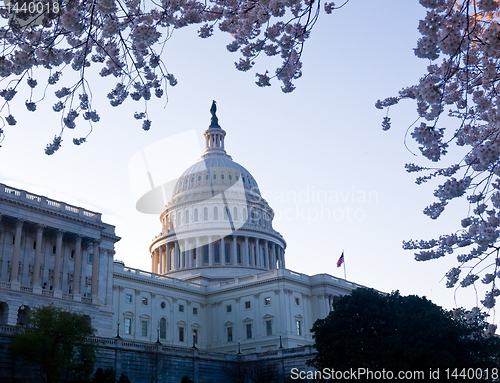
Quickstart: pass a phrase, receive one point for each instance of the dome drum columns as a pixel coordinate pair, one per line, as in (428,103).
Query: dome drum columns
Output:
(210,252)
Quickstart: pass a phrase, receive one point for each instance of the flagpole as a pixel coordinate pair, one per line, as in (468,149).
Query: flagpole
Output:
(345,278)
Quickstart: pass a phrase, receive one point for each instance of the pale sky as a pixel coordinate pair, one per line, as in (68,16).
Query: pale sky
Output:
(335,180)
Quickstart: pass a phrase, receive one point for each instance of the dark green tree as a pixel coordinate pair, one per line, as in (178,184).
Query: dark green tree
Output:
(374,331)
(58,343)
(123,378)
(104,376)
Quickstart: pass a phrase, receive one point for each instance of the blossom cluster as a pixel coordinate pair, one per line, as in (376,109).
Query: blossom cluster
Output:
(462,41)
(123,37)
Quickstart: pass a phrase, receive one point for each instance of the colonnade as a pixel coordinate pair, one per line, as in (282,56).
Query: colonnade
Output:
(203,251)
(93,244)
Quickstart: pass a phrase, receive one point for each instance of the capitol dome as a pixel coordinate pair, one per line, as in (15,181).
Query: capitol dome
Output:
(216,225)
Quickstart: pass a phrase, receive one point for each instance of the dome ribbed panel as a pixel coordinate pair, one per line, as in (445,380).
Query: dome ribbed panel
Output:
(213,164)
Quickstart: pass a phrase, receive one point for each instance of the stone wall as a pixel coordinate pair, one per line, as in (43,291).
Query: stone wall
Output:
(156,363)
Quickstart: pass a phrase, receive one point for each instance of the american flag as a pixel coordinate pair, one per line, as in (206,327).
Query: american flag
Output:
(341,260)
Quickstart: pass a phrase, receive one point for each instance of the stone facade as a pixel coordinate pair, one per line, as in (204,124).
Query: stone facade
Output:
(147,362)
(218,290)
(52,252)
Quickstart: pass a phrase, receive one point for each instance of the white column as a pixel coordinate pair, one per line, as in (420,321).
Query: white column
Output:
(183,256)
(14,273)
(168,261)
(246,253)
(274,256)
(162,256)
(58,260)
(78,265)
(222,253)
(234,256)
(176,256)
(38,255)
(266,255)
(252,255)
(199,253)
(95,271)
(210,251)
(154,255)
(258,259)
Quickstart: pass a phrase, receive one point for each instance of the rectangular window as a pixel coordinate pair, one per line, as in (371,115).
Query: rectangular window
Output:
(128,298)
(195,337)
(144,327)
(34,245)
(181,308)
(297,301)
(91,257)
(144,301)
(248,305)
(299,327)
(269,328)
(53,248)
(195,310)
(128,325)
(267,301)
(229,309)
(229,334)
(181,334)
(249,330)
(72,256)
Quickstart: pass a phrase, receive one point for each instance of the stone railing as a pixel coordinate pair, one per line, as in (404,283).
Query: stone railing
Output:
(37,200)
(120,269)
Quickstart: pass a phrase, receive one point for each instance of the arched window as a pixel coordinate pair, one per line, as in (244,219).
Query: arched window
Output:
(235,214)
(179,220)
(199,178)
(206,177)
(227,252)
(245,216)
(195,215)
(205,213)
(163,328)
(238,253)
(214,176)
(216,252)
(187,216)
(230,177)
(226,213)
(222,176)
(216,213)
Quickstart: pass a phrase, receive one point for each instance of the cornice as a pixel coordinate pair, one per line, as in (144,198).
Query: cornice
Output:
(51,212)
(156,283)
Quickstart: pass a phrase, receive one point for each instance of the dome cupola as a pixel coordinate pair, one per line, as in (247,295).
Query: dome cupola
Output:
(216,225)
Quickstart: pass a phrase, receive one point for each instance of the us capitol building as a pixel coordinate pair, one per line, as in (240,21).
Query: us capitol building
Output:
(218,277)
